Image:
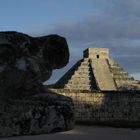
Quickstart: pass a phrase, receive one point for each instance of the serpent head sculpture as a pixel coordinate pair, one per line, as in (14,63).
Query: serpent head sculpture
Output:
(26,62)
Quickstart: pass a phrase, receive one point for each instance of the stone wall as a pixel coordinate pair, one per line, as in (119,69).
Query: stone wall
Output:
(105,106)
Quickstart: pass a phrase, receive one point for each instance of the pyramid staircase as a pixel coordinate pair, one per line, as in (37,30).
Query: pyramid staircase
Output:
(96,71)
(103,74)
(79,77)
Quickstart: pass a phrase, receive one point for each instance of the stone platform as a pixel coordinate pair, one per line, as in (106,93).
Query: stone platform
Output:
(116,108)
(40,114)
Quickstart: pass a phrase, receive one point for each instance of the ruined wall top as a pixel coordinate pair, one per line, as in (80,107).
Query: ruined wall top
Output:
(97,53)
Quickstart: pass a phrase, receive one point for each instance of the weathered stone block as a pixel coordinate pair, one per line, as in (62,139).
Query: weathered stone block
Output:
(44,113)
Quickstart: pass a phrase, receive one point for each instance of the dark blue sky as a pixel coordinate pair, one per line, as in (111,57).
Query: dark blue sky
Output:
(36,16)
(85,23)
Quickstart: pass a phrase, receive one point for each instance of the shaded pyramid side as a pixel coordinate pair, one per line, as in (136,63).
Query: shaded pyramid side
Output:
(123,79)
(79,77)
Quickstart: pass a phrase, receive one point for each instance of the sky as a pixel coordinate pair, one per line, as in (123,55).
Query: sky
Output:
(114,24)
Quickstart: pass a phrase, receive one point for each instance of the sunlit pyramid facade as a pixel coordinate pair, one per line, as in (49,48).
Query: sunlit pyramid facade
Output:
(97,71)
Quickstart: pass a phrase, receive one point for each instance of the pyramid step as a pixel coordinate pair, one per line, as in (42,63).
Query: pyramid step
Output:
(123,77)
(136,82)
(117,69)
(112,62)
(79,82)
(80,73)
(84,69)
(84,63)
(80,77)
(121,74)
(115,65)
(78,87)
(85,60)
(122,82)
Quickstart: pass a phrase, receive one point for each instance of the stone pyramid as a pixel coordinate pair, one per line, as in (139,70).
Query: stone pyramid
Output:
(97,71)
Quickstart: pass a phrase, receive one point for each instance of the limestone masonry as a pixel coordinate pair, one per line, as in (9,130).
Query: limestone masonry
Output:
(116,108)
(101,90)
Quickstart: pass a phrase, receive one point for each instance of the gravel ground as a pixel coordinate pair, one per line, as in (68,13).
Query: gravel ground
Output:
(81,132)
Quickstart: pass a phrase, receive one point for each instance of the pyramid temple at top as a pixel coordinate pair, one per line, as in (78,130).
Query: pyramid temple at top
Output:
(97,71)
